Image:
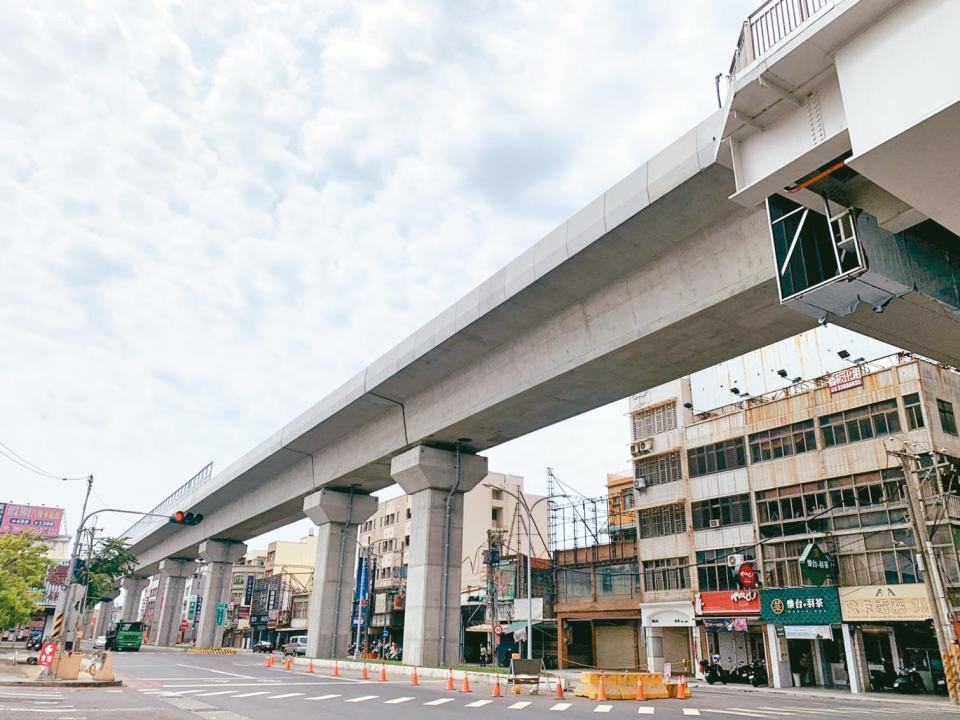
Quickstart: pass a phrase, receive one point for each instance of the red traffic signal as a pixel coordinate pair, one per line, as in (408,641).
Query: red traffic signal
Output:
(185,518)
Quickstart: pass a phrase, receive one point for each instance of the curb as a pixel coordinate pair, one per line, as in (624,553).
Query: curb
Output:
(212,651)
(856,697)
(62,683)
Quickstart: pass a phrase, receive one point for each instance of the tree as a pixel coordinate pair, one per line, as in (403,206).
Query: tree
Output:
(111,560)
(23,570)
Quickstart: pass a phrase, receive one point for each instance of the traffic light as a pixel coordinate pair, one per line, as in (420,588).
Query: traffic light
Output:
(185,518)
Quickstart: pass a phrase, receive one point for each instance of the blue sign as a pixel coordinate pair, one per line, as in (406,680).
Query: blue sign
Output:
(361,593)
(248,592)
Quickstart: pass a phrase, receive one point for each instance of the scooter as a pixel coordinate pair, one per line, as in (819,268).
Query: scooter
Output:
(758,674)
(713,673)
(909,681)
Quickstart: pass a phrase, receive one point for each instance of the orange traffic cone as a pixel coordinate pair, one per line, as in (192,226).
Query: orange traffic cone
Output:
(465,687)
(289,663)
(640,694)
(602,689)
(266,660)
(450,680)
(364,675)
(682,688)
(559,693)
(415,679)
(383,673)
(336,669)
(496,687)
(310,666)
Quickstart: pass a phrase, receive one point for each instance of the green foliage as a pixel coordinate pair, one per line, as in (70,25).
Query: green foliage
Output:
(23,570)
(111,560)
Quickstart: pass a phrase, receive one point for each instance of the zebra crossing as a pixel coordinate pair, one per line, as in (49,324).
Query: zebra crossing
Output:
(664,708)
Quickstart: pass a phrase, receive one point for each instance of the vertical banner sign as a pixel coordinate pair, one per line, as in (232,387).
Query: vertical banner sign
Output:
(248,592)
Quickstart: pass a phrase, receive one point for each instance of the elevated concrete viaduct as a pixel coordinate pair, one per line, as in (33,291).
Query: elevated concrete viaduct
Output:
(668,272)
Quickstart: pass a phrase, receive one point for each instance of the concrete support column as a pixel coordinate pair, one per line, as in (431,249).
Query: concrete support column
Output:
(654,638)
(856,657)
(220,556)
(774,661)
(431,477)
(104,612)
(174,574)
(337,515)
(133,588)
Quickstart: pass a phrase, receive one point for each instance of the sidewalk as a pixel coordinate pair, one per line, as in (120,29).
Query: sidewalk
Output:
(936,702)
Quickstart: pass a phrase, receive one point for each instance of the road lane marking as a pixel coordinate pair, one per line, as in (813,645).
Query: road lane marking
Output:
(691,711)
(648,710)
(560,707)
(741,712)
(323,697)
(518,705)
(281,697)
(397,701)
(603,708)
(218,672)
(479,703)
(362,698)
(440,701)
(264,692)
(221,692)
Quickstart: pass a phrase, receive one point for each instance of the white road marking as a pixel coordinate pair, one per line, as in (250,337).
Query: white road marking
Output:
(559,707)
(113,691)
(603,708)
(648,710)
(518,705)
(218,672)
(479,703)
(252,694)
(362,698)
(285,695)
(440,701)
(691,711)
(40,710)
(221,692)
(397,701)
(323,697)
(741,712)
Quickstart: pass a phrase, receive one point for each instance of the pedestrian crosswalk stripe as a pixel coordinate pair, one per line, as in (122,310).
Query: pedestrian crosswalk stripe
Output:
(318,697)
(603,708)
(253,694)
(362,698)
(440,701)
(397,701)
(221,692)
(691,711)
(479,703)
(648,710)
(770,711)
(518,705)
(561,706)
(285,695)
(741,712)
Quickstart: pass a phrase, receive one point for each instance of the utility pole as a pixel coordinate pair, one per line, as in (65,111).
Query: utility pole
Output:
(910,461)
(66,612)
(492,556)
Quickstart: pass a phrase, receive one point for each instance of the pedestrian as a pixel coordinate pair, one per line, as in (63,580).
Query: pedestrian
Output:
(483,654)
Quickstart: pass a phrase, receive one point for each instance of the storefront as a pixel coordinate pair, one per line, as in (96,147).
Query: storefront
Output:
(730,626)
(669,629)
(805,637)
(891,627)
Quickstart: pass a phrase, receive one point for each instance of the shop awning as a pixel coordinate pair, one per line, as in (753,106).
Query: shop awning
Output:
(667,614)
(522,625)
(482,628)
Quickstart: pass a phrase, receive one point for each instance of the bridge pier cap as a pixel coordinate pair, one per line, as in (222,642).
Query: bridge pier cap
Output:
(178,567)
(339,506)
(425,467)
(222,551)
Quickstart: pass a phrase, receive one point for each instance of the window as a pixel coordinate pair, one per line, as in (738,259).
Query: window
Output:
(573,583)
(239,579)
(948,421)
(408,513)
(654,420)
(861,423)
(629,499)
(495,517)
(783,441)
(496,494)
(911,404)
(658,469)
(720,512)
(725,455)
(712,570)
(300,606)
(617,579)
(666,574)
(662,520)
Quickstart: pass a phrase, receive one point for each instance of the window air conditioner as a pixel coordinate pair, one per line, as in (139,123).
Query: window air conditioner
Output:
(714,523)
(641,447)
(734,561)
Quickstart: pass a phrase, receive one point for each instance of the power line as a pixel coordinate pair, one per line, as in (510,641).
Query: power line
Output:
(20,460)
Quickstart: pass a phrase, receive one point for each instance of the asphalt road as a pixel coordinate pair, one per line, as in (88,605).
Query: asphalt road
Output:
(177,685)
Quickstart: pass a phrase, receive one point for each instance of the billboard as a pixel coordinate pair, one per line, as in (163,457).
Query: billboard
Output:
(44,521)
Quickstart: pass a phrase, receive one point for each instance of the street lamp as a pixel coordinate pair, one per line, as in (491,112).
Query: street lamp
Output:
(522,499)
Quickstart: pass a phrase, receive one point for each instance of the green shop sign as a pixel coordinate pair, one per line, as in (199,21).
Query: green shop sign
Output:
(800,606)
(815,565)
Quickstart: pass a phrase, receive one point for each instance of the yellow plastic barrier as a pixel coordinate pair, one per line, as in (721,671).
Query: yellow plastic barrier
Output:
(623,686)
(212,651)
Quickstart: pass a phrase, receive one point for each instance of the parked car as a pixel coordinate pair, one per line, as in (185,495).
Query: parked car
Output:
(100,643)
(296,646)
(263,646)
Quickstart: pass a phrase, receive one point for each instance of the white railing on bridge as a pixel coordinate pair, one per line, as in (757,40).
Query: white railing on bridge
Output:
(169,504)
(768,25)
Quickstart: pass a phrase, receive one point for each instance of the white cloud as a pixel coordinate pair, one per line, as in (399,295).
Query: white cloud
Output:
(214,213)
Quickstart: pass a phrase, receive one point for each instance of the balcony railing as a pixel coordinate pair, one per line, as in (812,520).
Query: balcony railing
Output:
(767,27)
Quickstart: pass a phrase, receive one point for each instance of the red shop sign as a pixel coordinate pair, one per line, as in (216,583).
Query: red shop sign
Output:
(729,602)
(747,576)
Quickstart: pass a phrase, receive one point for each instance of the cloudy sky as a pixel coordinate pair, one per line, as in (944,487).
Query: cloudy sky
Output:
(214,213)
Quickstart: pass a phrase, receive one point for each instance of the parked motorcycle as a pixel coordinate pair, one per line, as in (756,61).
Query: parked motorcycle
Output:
(713,673)
(882,680)
(909,681)
(758,674)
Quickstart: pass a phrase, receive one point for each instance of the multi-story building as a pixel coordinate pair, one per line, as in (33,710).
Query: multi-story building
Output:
(246,571)
(492,505)
(279,599)
(732,502)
